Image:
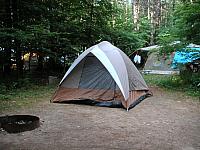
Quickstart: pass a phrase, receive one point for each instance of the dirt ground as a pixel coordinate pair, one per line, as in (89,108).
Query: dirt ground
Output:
(166,121)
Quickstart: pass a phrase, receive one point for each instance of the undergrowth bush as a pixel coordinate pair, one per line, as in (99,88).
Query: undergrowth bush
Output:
(176,83)
(11,88)
(18,96)
(190,78)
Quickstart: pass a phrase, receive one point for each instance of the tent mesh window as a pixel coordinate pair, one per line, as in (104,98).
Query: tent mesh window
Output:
(95,76)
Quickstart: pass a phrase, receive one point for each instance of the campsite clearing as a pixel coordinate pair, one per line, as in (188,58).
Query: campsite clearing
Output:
(168,120)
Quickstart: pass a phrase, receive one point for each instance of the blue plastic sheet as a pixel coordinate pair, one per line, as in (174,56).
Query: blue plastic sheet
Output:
(185,56)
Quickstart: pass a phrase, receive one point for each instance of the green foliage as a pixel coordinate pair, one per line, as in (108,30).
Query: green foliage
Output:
(183,26)
(60,29)
(175,83)
(24,96)
(144,31)
(187,20)
(121,33)
(193,79)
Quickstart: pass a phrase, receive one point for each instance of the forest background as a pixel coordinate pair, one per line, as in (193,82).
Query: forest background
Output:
(57,31)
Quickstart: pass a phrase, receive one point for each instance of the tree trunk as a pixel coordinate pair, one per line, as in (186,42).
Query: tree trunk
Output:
(19,61)
(136,11)
(40,62)
(7,62)
(91,23)
(149,15)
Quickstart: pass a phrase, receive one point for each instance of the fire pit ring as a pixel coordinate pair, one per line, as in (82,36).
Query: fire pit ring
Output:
(19,123)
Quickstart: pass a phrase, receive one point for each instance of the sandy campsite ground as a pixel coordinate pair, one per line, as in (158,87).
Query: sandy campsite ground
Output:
(166,121)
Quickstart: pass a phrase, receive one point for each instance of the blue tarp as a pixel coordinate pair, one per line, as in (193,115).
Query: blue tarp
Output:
(185,56)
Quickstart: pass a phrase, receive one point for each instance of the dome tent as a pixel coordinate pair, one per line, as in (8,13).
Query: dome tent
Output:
(102,73)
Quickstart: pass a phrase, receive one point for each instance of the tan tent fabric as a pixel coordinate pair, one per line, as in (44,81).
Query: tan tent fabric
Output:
(102,73)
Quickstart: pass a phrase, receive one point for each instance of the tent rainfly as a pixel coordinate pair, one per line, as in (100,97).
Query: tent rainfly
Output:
(103,73)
